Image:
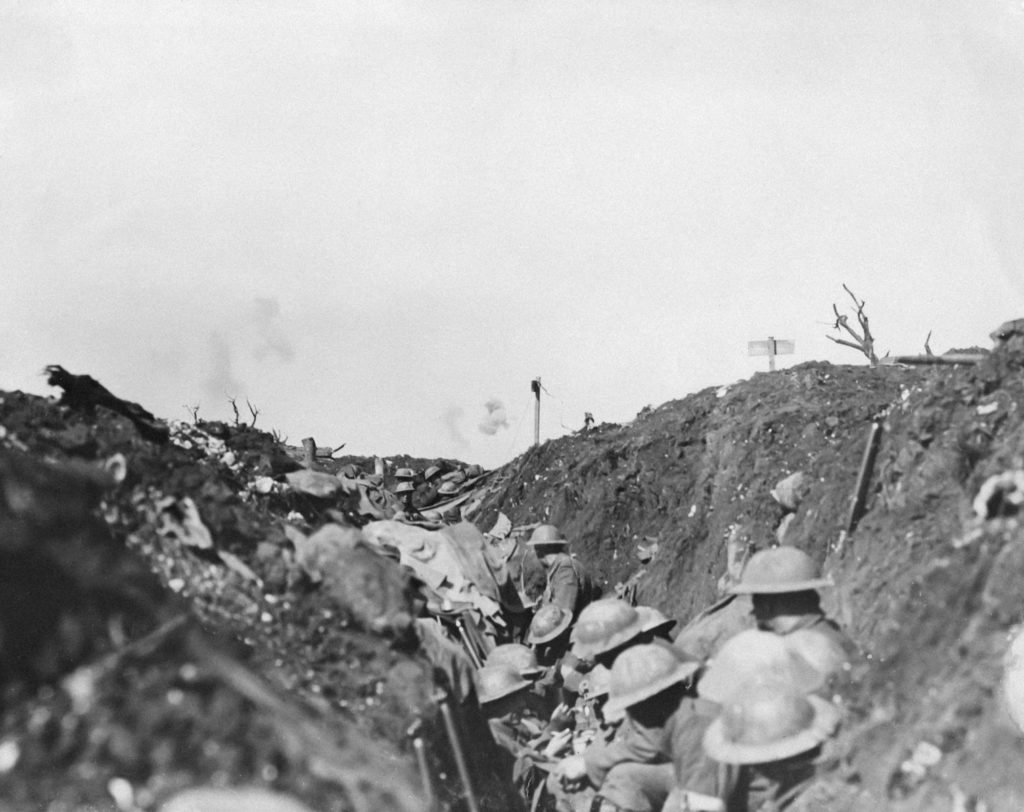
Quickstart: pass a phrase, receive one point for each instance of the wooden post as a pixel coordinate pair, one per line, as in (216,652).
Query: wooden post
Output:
(771,353)
(535,386)
(308,452)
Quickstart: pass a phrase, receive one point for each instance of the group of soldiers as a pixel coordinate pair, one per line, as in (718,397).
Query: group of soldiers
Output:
(597,708)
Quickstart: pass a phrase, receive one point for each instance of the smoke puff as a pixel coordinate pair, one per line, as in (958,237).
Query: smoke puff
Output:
(496,418)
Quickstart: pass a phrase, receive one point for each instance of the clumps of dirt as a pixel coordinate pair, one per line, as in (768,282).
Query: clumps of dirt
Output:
(694,476)
(157,634)
(932,592)
(665,509)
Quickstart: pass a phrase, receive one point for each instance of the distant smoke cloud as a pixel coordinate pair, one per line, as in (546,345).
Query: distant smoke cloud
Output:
(496,418)
(451,418)
(272,340)
(221,381)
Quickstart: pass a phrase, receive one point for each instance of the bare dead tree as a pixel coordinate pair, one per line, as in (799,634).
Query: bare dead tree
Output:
(278,437)
(234,408)
(862,340)
(253,411)
(927,349)
(194,411)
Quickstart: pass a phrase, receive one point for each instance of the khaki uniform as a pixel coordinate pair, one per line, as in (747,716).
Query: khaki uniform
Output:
(823,625)
(569,587)
(674,748)
(765,787)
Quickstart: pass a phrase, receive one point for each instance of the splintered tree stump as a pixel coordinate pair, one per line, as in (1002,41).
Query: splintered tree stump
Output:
(308,452)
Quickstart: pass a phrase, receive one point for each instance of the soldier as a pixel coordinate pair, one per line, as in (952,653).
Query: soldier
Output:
(446,491)
(769,735)
(503,697)
(404,491)
(658,745)
(592,729)
(523,660)
(605,629)
(655,625)
(549,636)
(783,583)
(505,702)
(568,584)
(752,656)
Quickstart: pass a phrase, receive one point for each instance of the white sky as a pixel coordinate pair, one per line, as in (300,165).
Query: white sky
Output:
(372,218)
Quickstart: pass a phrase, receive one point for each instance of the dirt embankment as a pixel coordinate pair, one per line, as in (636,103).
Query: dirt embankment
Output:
(930,592)
(695,474)
(98,575)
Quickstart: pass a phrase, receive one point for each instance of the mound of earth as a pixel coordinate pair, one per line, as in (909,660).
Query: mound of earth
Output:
(667,507)
(157,631)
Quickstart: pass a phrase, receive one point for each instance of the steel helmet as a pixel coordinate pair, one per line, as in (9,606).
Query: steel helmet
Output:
(769,722)
(752,656)
(474,470)
(596,682)
(604,625)
(653,620)
(405,473)
(405,487)
(431,472)
(549,622)
(547,534)
(448,488)
(642,671)
(495,681)
(821,650)
(779,569)
(519,657)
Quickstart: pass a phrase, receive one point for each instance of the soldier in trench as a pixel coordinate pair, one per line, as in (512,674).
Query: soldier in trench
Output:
(658,746)
(768,738)
(569,585)
(783,584)
(523,737)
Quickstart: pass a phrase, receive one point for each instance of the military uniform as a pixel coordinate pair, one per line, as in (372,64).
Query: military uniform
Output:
(568,584)
(622,768)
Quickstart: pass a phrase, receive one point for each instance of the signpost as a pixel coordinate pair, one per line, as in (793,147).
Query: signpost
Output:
(535,388)
(771,348)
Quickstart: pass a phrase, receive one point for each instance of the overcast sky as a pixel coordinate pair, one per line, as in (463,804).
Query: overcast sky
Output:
(375,219)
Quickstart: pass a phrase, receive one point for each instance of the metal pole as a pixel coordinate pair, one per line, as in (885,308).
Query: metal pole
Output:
(460,757)
(535,386)
(474,655)
(421,761)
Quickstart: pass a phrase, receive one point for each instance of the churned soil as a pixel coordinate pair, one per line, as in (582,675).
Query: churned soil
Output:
(152,657)
(932,593)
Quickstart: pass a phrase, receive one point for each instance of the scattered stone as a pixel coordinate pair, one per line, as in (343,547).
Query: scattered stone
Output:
(789,492)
